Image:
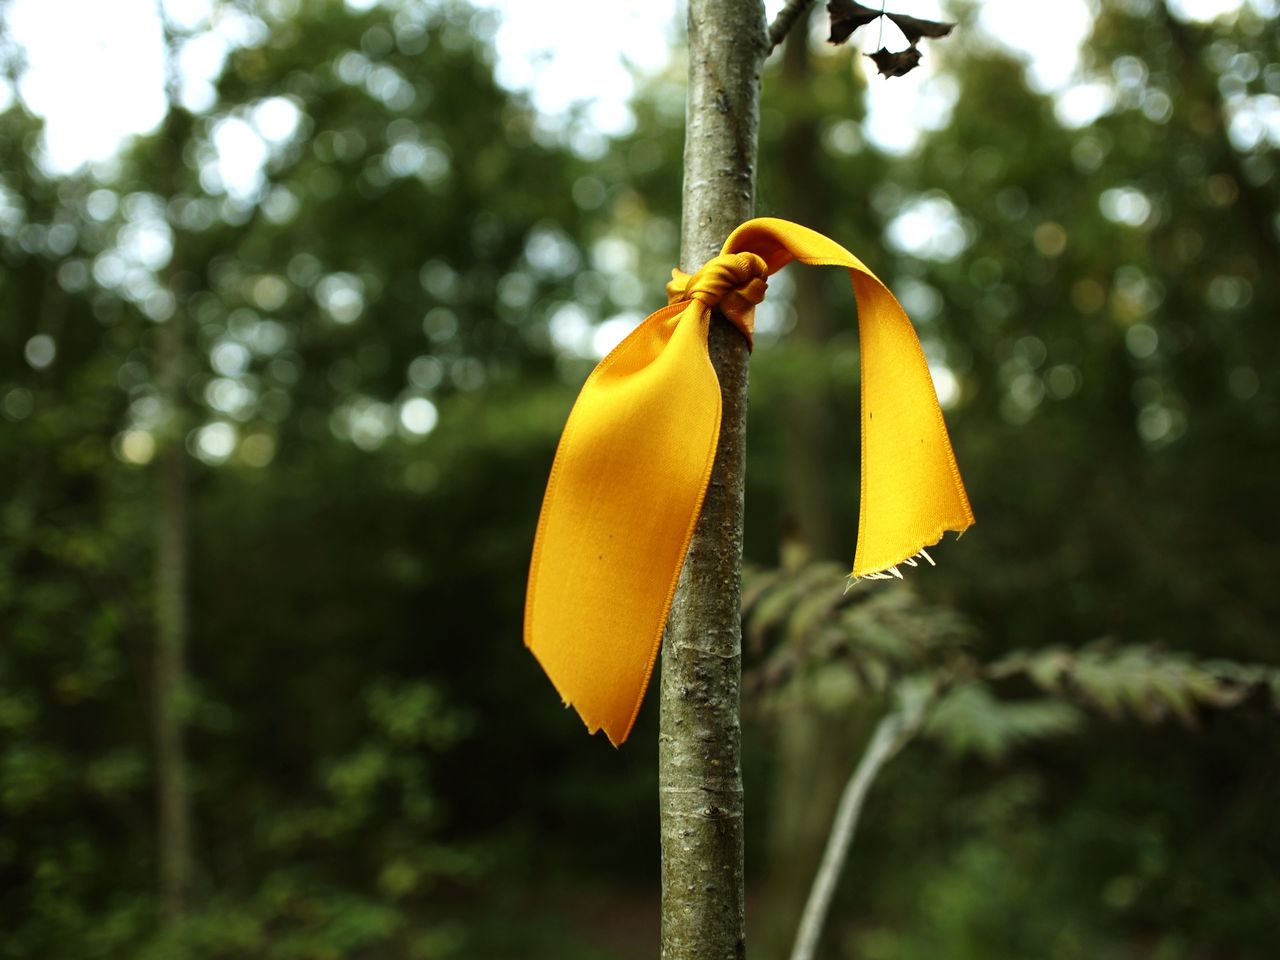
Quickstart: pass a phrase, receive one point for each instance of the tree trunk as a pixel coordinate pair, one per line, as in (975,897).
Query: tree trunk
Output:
(173,838)
(171,559)
(700,777)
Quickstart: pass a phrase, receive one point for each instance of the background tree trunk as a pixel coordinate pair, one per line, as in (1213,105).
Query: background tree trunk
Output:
(171,560)
(700,778)
(173,838)
(808,439)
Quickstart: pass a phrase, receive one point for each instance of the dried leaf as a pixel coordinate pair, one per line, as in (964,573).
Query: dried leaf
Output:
(914,28)
(846,17)
(895,64)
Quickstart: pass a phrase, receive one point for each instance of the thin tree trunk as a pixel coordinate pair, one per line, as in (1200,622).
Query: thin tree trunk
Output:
(173,838)
(700,778)
(171,560)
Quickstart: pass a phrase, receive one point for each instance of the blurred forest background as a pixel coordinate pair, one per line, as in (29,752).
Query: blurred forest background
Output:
(336,390)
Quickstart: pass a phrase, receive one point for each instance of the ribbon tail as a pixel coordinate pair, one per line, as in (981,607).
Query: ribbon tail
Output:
(624,496)
(911,487)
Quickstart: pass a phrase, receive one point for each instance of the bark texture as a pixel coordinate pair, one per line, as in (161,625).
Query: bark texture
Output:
(700,778)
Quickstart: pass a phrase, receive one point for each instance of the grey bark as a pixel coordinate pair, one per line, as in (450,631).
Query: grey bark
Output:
(700,778)
(787,19)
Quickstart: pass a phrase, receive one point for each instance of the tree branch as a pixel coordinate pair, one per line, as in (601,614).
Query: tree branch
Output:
(891,734)
(785,20)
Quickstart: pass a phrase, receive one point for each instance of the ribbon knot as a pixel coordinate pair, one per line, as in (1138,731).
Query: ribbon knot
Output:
(635,459)
(733,283)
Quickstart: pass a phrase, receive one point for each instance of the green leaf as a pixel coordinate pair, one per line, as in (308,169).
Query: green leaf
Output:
(971,720)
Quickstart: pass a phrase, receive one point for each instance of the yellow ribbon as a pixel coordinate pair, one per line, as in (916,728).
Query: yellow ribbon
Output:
(635,458)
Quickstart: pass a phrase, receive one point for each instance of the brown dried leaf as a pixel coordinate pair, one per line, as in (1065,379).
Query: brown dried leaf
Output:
(846,17)
(895,64)
(914,28)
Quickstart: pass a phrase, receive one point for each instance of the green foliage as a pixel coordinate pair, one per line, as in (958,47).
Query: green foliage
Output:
(969,719)
(868,640)
(855,643)
(1149,683)
(812,629)
(326,735)
(377,769)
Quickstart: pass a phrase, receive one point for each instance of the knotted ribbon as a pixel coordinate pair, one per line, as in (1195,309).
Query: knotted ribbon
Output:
(636,454)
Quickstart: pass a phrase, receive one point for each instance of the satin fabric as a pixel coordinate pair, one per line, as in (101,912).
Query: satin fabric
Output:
(636,454)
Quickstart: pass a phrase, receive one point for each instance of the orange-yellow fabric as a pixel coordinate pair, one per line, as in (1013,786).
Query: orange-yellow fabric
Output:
(635,457)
